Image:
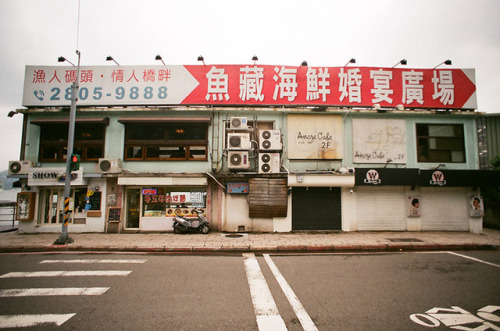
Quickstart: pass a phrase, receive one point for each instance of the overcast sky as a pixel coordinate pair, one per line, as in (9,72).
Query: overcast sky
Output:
(325,33)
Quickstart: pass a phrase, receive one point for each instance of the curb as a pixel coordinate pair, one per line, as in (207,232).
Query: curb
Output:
(381,248)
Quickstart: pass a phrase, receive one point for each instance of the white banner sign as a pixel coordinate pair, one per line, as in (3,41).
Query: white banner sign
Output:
(315,137)
(53,177)
(379,140)
(46,86)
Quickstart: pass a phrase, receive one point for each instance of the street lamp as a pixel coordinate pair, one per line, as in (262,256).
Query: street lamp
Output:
(303,64)
(447,62)
(353,60)
(158,58)
(255,59)
(201,59)
(110,58)
(402,62)
(63,237)
(62,59)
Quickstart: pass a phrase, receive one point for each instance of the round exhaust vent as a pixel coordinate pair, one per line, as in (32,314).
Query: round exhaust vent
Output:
(266,144)
(105,165)
(235,122)
(265,158)
(235,159)
(266,134)
(15,167)
(235,141)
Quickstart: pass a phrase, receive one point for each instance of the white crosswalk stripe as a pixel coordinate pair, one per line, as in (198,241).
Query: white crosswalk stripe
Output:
(24,321)
(37,292)
(66,273)
(107,261)
(31,320)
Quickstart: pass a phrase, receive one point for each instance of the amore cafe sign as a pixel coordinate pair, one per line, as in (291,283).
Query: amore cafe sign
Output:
(53,177)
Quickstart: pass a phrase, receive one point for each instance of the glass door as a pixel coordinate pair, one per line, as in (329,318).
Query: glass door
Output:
(133,208)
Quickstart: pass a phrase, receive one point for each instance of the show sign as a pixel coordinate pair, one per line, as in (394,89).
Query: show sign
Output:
(252,85)
(53,177)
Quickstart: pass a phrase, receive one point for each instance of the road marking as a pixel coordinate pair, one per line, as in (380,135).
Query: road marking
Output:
(95,261)
(37,292)
(474,259)
(23,321)
(66,273)
(266,311)
(302,315)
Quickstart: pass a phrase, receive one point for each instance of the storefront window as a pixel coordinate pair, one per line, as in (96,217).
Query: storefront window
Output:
(52,205)
(167,202)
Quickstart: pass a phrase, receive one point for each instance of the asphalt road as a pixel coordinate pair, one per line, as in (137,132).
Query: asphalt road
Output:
(400,291)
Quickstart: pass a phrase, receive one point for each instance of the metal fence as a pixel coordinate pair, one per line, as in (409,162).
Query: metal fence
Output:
(7,214)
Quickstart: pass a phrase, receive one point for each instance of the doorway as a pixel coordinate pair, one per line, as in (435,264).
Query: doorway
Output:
(316,208)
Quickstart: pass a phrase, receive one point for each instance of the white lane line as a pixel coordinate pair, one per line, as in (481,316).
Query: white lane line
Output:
(474,259)
(95,261)
(266,311)
(24,321)
(37,292)
(302,315)
(66,273)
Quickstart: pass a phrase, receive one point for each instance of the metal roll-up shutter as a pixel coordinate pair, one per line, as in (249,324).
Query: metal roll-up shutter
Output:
(316,208)
(381,208)
(444,209)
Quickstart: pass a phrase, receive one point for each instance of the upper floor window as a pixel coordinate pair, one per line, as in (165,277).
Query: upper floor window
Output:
(89,139)
(165,140)
(440,143)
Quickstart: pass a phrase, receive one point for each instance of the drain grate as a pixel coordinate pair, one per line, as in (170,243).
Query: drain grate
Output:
(405,240)
(234,235)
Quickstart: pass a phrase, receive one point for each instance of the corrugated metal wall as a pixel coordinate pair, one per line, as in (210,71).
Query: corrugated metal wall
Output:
(489,138)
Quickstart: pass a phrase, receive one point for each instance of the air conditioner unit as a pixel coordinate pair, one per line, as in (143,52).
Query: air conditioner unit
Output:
(109,166)
(238,123)
(269,163)
(19,167)
(238,160)
(270,140)
(238,141)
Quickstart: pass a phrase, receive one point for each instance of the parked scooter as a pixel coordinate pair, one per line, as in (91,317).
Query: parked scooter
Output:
(184,224)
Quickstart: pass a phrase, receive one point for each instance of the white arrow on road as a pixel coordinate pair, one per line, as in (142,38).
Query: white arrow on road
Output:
(24,321)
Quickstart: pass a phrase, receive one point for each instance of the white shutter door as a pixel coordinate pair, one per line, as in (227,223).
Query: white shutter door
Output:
(444,209)
(381,208)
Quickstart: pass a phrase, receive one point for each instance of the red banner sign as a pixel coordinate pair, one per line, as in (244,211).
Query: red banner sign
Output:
(333,86)
(252,85)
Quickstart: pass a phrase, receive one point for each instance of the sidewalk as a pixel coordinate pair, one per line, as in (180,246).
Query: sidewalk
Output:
(215,242)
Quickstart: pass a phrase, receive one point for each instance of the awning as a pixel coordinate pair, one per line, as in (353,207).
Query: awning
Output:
(160,181)
(320,180)
(474,178)
(163,119)
(386,176)
(430,178)
(82,120)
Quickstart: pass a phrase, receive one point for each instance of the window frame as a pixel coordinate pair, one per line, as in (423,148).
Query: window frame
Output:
(144,144)
(60,141)
(424,142)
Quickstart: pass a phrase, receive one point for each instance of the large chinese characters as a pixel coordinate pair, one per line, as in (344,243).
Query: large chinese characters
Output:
(327,86)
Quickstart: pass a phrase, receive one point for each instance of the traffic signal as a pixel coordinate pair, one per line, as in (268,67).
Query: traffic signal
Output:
(75,162)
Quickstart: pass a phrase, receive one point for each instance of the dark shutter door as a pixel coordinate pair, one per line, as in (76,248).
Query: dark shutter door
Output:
(316,208)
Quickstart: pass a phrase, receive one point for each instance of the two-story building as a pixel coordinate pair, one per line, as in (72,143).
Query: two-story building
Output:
(259,148)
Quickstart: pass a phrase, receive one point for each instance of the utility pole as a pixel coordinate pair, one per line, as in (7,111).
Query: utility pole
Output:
(64,238)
